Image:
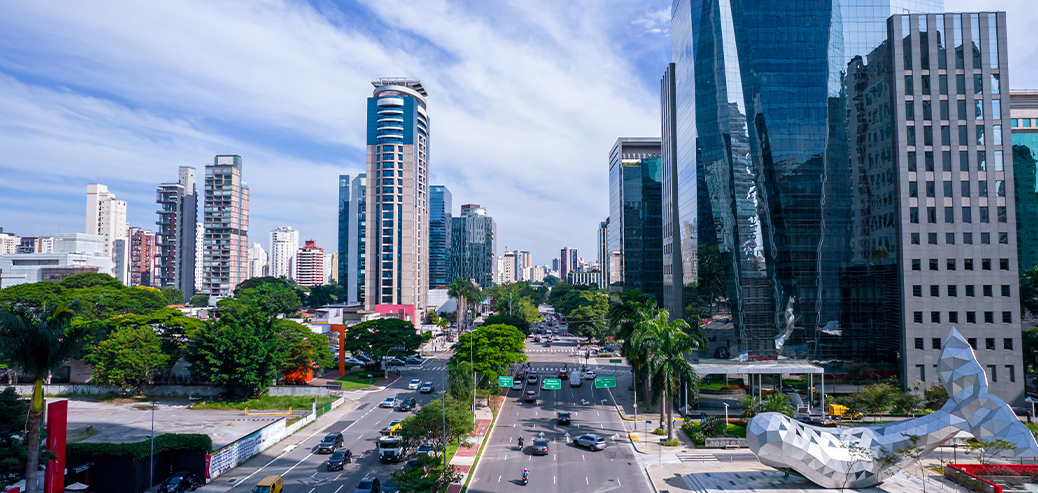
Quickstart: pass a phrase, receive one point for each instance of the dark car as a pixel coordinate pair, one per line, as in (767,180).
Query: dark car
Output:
(564,417)
(390,486)
(531,396)
(408,405)
(564,374)
(368,485)
(591,441)
(330,443)
(532,377)
(180,482)
(540,447)
(339,459)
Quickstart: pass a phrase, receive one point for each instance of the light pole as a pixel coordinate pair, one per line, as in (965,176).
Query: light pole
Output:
(151,465)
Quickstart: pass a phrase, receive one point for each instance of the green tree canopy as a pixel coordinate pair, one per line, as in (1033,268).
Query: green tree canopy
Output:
(305,348)
(173,328)
(324,295)
(551,281)
(254,282)
(174,295)
(242,351)
(199,300)
(495,348)
(378,337)
(426,426)
(518,322)
(128,358)
(90,280)
(271,298)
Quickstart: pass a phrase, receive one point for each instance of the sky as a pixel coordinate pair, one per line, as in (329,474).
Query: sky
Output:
(526,100)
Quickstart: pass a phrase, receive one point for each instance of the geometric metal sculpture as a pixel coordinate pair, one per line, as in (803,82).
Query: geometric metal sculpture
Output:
(848,457)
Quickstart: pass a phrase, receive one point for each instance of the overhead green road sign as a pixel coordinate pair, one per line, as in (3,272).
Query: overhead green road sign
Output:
(552,384)
(504,381)
(616,361)
(605,382)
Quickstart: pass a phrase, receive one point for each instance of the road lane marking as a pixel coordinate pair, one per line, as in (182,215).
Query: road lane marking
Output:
(582,457)
(339,488)
(553,480)
(499,479)
(618,482)
(586,481)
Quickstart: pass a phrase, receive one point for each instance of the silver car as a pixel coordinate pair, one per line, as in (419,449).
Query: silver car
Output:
(591,441)
(390,402)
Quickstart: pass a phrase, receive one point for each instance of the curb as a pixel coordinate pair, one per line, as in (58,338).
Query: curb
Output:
(479,454)
(645,470)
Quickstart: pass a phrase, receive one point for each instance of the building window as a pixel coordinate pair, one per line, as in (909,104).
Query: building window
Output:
(991,373)
(913,189)
(951,264)
(935,343)
(931,238)
(949,215)
(967,238)
(953,317)
(971,317)
(1012,372)
(985,239)
(922,372)
(935,317)
(1003,264)
(949,238)
(989,343)
(1007,344)
(987,290)
(933,264)
(917,317)
(931,215)
(1005,290)
(915,236)
(972,342)
(989,317)
(930,189)
(916,264)
(984,218)
(935,290)
(985,264)
(919,343)
(1001,210)
(1003,238)
(917,290)
(913,215)
(1007,317)
(953,290)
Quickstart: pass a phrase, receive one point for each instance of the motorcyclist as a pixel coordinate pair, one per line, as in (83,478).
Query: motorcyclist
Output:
(526,474)
(520,441)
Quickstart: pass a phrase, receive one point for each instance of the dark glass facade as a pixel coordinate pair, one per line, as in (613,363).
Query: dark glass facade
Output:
(473,246)
(439,236)
(1024,123)
(635,214)
(352,235)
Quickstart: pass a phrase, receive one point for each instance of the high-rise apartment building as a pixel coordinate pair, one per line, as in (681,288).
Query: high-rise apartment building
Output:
(353,196)
(142,257)
(258,262)
(567,262)
(1023,118)
(508,267)
(397,271)
(439,237)
(106,216)
(225,260)
(284,243)
(199,243)
(635,227)
(8,242)
(177,251)
(474,246)
(603,254)
(309,265)
(31,244)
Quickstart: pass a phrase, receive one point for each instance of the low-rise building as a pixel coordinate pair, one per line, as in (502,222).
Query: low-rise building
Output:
(74,253)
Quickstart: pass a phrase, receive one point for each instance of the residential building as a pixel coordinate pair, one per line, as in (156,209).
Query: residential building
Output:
(284,243)
(439,236)
(591,278)
(474,246)
(258,262)
(635,208)
(603,253)
(225,260)
(508,267)
(177,250)
(31,244)
(74,253)
(567,262)
(1023,114)
(523,263)
(106,216)
(397,271)
(537,273)
(199,243)
(143,252)
(555,264)
(8,242)
(353,197)
(333,269)
(309,265)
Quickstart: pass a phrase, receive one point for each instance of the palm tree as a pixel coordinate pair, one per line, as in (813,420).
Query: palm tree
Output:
(665,344)
(463,290)
(39,342)
(633,307)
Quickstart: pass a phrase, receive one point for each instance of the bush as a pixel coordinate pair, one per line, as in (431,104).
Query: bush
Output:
(713,426)
(659,431)
(673,442)
(141,449)
(935,396)
(731,387)
(694,433)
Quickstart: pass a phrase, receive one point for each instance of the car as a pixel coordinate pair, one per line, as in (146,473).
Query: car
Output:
(564,418)
(414,384)
(427,388)
(414,360)
(394,362)
(390,402)
(390,486)
(517,384)
(589,375)
(556,331)
(426,449)
(389,428)
(330,443)
(180,482)
(410,463)
(339,458)
(591,441)
(532,377)
(540,447)
(564,374)
(368,485)
(531,396)
(408,405)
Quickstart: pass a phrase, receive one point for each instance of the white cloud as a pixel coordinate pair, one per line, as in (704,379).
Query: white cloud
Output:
(1021,17)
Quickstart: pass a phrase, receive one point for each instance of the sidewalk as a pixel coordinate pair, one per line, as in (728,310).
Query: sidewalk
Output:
(465,459)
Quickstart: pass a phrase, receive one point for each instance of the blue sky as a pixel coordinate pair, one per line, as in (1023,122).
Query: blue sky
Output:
(526,99)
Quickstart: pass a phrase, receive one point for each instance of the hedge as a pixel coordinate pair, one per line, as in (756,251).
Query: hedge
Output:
(141,449)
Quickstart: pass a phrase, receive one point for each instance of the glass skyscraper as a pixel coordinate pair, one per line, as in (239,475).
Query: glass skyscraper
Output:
(635,207)
(473,245)
(439,237)
(352,235)
(1024,123)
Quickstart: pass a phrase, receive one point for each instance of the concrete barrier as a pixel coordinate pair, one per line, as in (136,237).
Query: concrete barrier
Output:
(91,389)
(725,442)
(298,390)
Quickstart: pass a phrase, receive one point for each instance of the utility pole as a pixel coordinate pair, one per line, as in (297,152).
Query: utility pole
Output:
(151,467)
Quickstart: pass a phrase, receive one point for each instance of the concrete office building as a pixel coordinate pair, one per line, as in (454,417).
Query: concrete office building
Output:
(591,278)
(225,261)
(439,237)
(142,257)
(309,265)
(74,253)
(397,269)
(106,216)
(508,267)
(284,243)
(177,250)
(258,263)
(353,213)
(474,246)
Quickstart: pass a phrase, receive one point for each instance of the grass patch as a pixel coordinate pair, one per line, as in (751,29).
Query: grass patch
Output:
(267,402)
(737,430)
(1031,426)
(360,380)
(108,396)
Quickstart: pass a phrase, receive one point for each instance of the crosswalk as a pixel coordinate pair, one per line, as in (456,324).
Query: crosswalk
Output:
(598,371)
(554,350)
(710,457)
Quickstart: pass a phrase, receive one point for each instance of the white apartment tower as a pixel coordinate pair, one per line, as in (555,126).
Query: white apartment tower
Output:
(284,242)
(309,262)
(225,261)
(106,216)
(257,261)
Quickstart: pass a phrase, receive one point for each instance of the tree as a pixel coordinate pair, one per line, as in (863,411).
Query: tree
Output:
(518,322)
(35,296)
(324,295)
(778,402)
(631,308)
(1030,344)
(39,342)
(464,291)
(199,300)
(173,328)
(378,337)
(13,447)
(666,343)
(588,318)
(987,449)
(492,348)
(241,351)
(427,424)
(711,273)
(305,348)
(752,406)
(856,454)
(174,295)
(551,281)
(270,298)
(128,358)
(432,317)
(90,280)
(935,396)
(426,473)
(254,282)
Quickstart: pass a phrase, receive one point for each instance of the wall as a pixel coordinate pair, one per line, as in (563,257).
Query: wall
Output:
(158,390)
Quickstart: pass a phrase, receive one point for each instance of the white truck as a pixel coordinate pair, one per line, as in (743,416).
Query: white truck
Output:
(575,379)
(390,449)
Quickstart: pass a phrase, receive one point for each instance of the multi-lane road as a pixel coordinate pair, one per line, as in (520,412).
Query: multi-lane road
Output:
(565,468)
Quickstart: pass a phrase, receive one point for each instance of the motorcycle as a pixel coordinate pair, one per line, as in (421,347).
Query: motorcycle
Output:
(520,444)
(526,478)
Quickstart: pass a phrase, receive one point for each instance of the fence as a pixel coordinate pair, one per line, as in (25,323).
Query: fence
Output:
(255,443)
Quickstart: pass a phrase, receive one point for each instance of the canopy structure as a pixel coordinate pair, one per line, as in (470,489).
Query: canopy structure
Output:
(775,367)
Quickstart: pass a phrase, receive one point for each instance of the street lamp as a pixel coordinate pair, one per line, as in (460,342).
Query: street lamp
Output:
(726,415)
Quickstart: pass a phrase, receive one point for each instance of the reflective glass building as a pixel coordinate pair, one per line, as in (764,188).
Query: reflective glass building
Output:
(1024,122)
(439,236)
(352,235)
(635,229)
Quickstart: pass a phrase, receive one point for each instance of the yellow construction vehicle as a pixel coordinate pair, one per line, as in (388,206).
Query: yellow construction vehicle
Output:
(841,412)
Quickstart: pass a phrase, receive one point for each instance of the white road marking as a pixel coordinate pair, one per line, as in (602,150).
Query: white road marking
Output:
(339,488)
(618,482)
(586,481)
(499,479)
(553,480)
(582,457)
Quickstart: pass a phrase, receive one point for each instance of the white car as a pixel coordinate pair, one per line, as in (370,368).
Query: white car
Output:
(390,402)
(589,375)
(414,384)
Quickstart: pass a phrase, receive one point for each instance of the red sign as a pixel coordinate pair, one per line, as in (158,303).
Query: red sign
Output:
(57,424)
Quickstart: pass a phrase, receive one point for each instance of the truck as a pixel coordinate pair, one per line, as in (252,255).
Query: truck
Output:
(841,412)
(575,379)
(390,449)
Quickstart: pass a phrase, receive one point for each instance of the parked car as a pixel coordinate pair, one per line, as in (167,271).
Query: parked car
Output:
(330,443)
(532,377)
(517,384)
(563,417)
(339,459)
(414,360)
(591,441)
(390,402)
(414,384)
(427,388)
(540,447)
(368,485)
(393,362)
(531,396)
(408,405)
(180,482)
